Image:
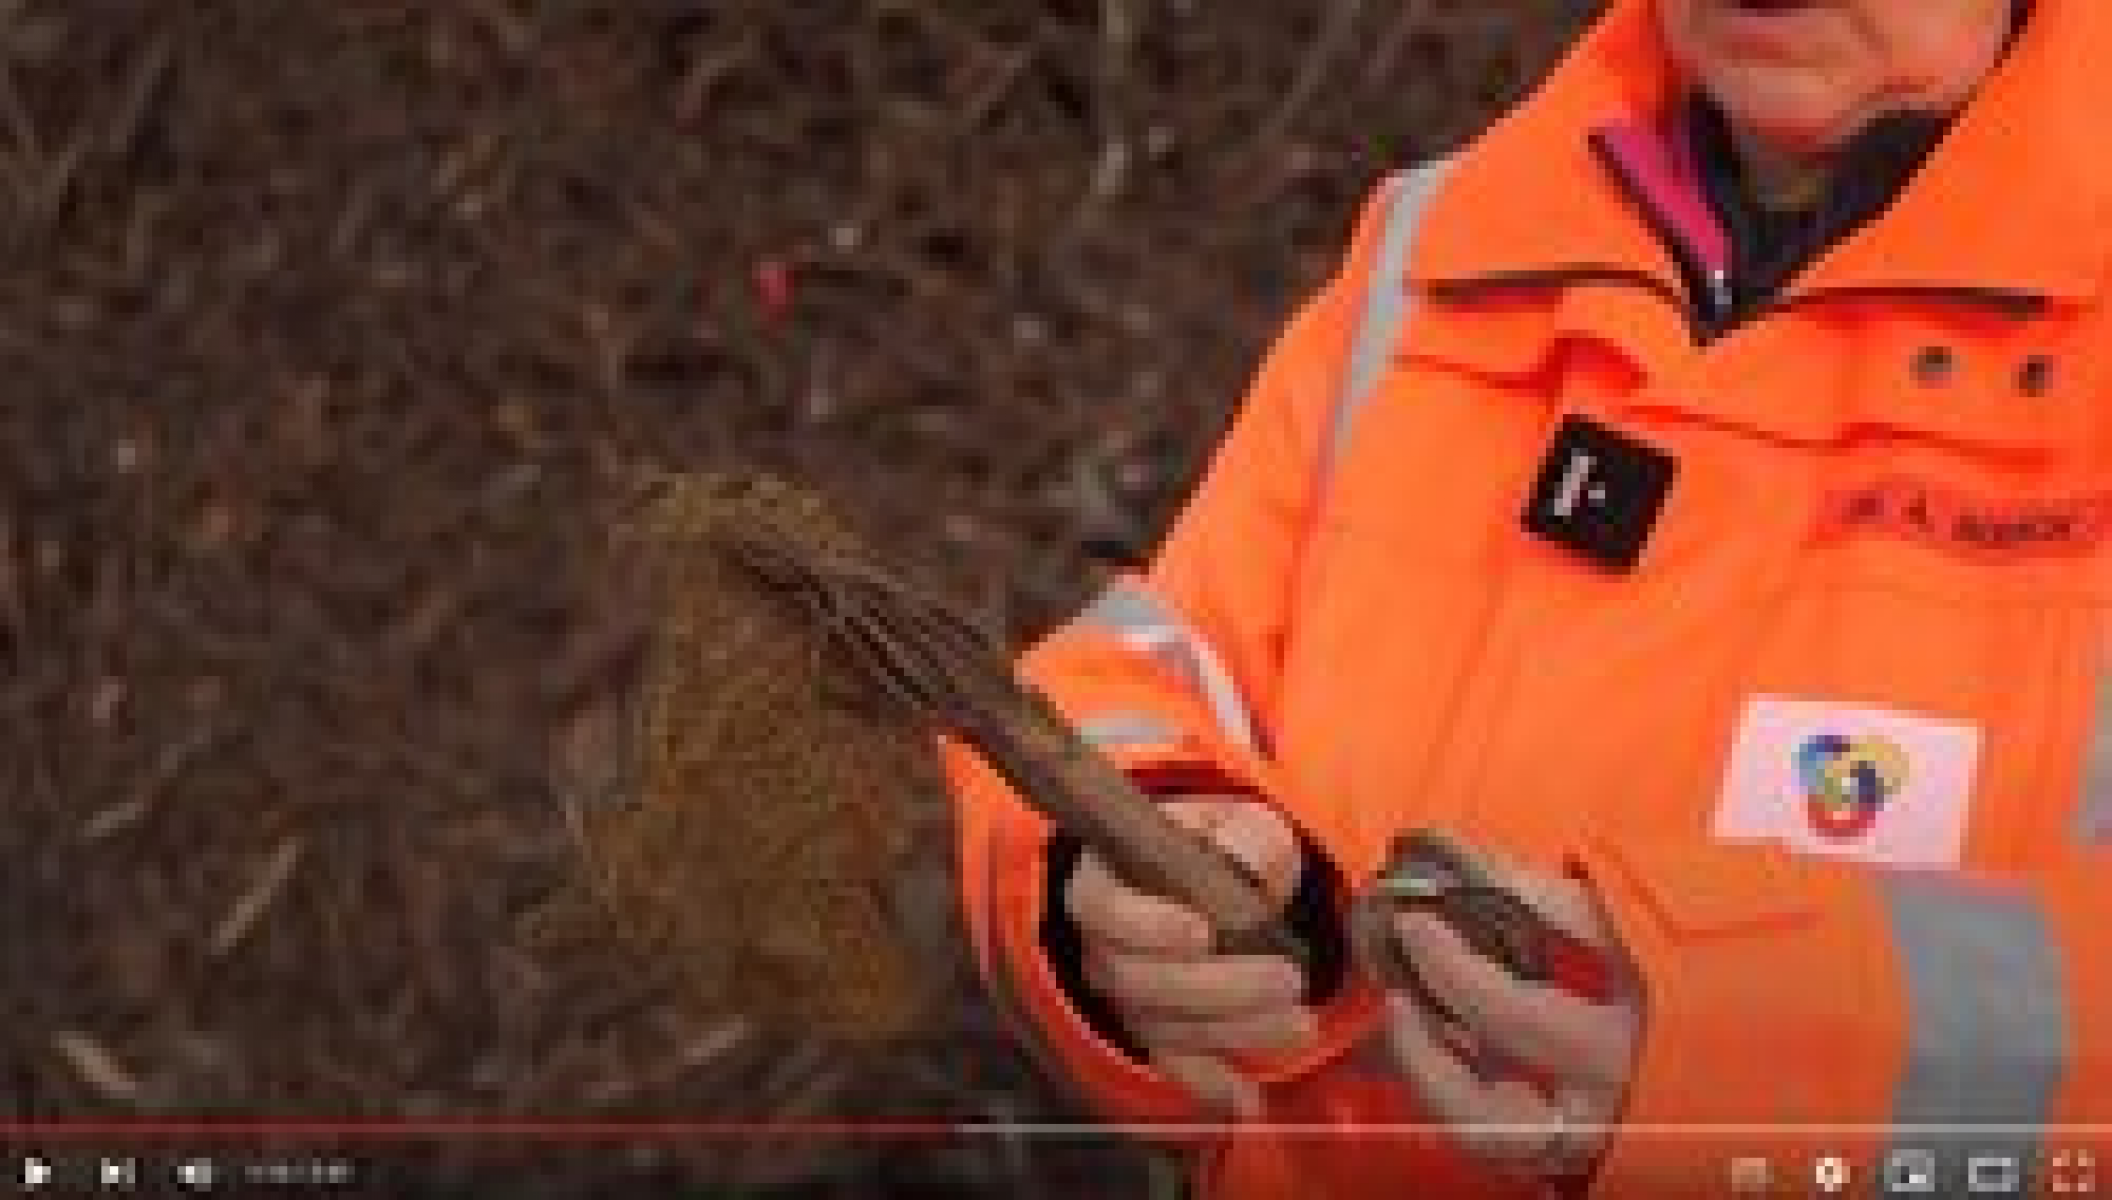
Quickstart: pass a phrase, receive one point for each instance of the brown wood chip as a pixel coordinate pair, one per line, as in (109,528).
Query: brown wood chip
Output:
(247,911)
(97,1067)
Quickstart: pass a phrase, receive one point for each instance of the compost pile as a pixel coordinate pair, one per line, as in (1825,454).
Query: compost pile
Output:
(325,330)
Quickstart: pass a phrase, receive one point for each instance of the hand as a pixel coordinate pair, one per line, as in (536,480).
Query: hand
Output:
(1580,1052)
(1152,959)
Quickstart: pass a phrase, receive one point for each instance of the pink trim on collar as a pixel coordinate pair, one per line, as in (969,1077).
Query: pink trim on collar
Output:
(1660,162)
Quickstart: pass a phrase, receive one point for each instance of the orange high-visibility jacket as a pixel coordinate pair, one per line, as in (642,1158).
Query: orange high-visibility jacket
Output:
(1836,751)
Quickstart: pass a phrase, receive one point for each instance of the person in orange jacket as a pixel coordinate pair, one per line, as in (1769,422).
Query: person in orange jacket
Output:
(1695,494)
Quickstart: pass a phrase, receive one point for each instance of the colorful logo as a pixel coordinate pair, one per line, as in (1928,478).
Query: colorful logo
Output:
(1848,781)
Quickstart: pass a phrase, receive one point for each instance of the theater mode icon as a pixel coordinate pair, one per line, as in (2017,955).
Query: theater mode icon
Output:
(1994,1175)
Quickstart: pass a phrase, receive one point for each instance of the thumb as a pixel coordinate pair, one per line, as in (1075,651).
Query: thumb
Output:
(1264,842)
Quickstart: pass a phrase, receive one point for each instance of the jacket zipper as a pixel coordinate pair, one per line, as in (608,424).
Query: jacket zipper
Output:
(1707,314)
(1722,299)
(1714,312)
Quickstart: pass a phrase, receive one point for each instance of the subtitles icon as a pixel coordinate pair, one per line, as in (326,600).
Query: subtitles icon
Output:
(35,1173)
(197,1174)
(1831,1174)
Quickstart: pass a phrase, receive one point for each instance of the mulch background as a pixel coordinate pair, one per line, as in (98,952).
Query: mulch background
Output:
(323,327)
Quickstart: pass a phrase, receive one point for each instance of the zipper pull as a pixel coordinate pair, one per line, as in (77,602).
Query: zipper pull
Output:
(1721,301)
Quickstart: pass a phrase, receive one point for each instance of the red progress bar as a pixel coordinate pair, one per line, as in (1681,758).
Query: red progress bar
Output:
(545,1130)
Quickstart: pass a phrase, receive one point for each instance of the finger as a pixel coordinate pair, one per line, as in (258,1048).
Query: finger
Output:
(1275,1031)
(1493,1120)
(1565,903)
(1570,1037)
(1516,1141)
(1123,918)
(1223,1092)
(1203,811)
(1571,906)
(1205,989)
(1505,1123)
(1263,841)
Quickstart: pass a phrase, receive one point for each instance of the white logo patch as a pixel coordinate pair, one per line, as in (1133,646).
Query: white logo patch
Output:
(1871,784)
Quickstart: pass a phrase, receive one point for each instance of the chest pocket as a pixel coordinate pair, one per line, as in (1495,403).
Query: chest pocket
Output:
(1913,726)
(1927,688)
(1440,446)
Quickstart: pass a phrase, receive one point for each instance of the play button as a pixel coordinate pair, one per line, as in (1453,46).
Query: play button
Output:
(35,1173)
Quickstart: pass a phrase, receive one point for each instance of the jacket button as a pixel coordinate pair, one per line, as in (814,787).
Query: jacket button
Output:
(1934,365)
(2035,377)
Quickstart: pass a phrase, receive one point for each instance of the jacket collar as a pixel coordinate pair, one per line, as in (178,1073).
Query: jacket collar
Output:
(2017,197)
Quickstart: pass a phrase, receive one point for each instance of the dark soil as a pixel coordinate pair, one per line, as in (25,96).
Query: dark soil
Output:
(324,327)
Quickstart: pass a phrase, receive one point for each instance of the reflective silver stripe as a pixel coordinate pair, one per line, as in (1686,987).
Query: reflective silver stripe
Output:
(1146,622)
(1988,1012)
(1387,302)
(1116,731)
(2093,813)
(1125,607)
(1195,663)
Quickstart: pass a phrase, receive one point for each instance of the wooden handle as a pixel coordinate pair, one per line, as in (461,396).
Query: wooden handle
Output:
(1069,782)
